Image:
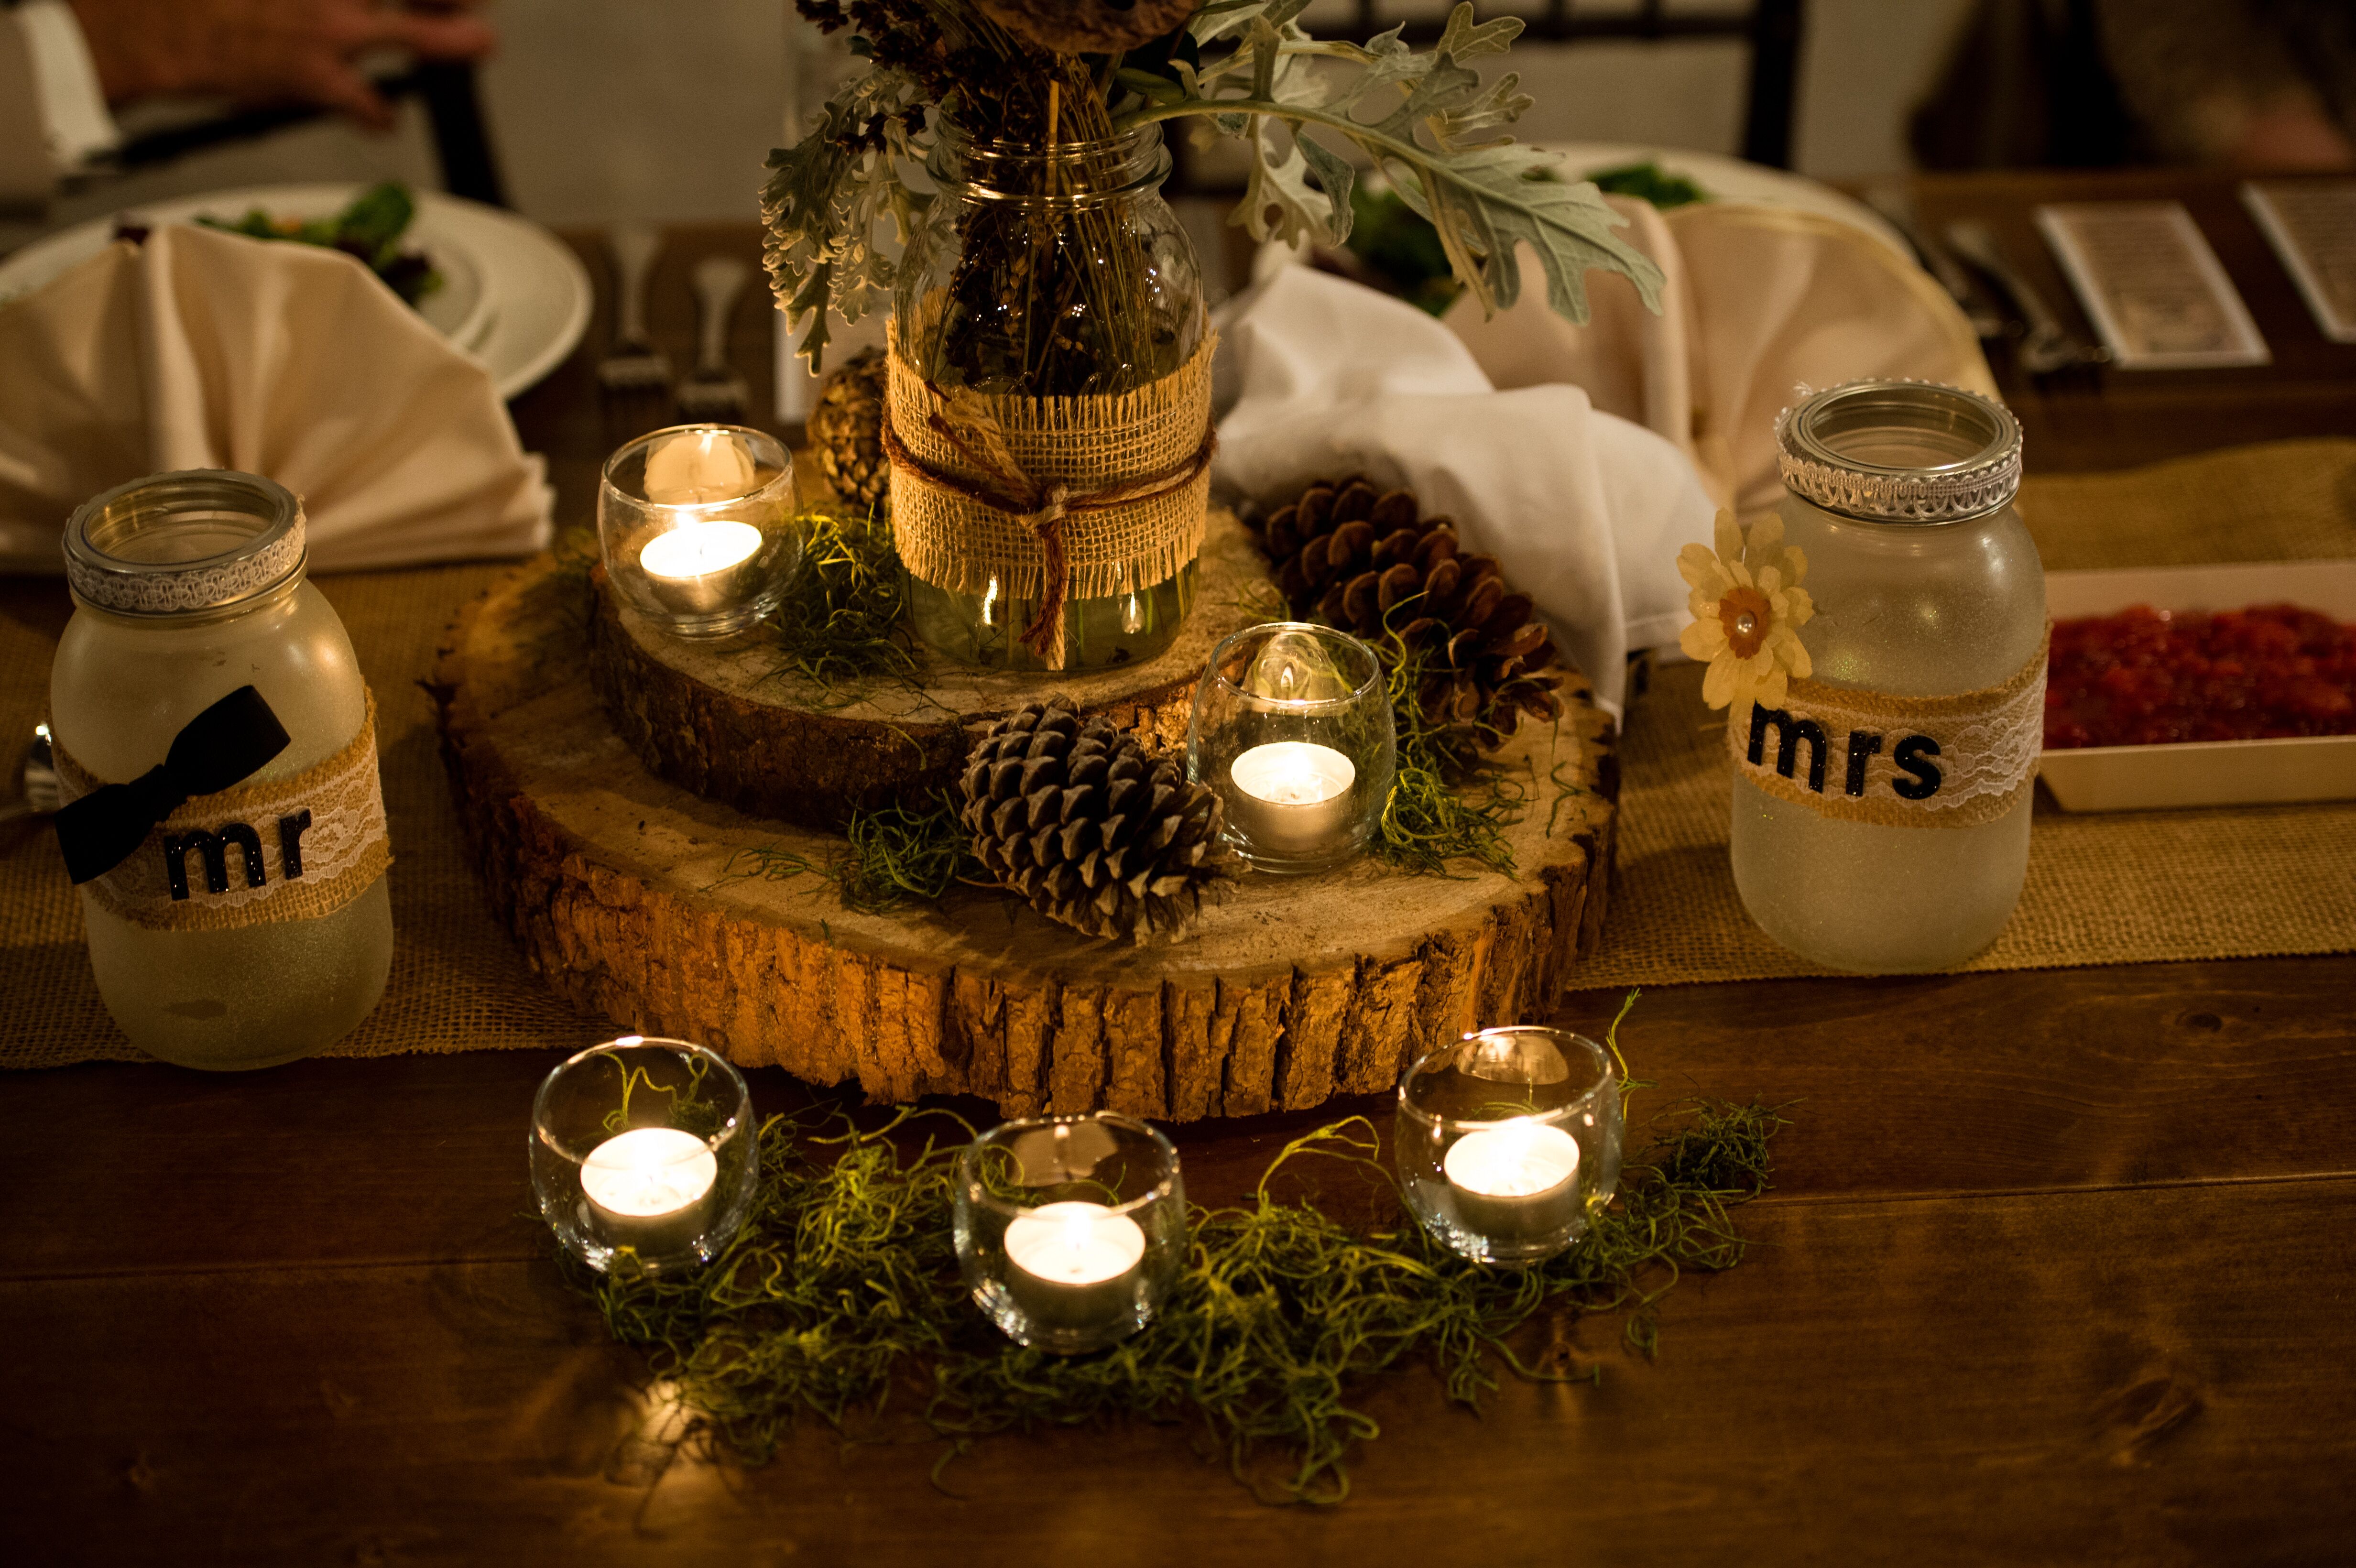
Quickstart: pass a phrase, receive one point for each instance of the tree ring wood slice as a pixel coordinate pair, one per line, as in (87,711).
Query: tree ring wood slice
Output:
(731,721)
(678,915)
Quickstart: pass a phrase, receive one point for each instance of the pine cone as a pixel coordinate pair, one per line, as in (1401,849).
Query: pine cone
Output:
(846,429)
(1350,555)
(1087,825)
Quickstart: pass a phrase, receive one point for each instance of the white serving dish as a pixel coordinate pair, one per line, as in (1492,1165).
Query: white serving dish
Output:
(2203,773)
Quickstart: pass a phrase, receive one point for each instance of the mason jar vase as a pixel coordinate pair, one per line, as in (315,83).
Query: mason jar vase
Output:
(188,586)
(1049,271)
(1926,585)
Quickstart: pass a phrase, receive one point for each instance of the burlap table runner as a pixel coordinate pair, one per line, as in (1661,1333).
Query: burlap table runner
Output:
(2102,889)
(2123,887)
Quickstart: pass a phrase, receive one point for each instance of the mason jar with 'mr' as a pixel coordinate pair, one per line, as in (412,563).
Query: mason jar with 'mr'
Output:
(1881,810)
(225,819)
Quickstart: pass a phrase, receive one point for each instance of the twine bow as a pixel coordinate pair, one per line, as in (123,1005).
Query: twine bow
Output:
(963,419)
(225,745)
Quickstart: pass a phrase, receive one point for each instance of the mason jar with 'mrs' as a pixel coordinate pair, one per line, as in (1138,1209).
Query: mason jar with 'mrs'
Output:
(1881,809)
(1047,409)
(224,818)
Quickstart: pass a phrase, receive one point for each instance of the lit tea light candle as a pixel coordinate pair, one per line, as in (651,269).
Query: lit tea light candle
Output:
(1515,1182)
(1075,1265)
(699,549)
(691,568)
(1293,797)
(649,1188)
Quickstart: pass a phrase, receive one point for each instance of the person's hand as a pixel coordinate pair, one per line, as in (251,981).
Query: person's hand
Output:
(269,51)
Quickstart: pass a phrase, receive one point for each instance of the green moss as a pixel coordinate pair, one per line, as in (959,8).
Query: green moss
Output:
(840,1300)
(1447,801)
(890,854)
(842,620)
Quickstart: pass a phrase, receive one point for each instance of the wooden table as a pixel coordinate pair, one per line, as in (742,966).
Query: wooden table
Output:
(2059,1269)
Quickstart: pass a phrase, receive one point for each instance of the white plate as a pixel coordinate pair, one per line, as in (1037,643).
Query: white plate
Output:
(1731,179)
(2203,773)
(513,295)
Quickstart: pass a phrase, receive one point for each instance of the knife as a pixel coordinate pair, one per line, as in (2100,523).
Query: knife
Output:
(2046,346)
(1895,203)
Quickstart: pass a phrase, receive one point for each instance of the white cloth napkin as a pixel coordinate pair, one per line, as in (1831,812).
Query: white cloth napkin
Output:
(207,350)
(1759,302)
(1584,511)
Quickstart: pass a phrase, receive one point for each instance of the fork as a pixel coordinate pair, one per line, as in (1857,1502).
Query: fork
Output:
(715,391)
(633,366)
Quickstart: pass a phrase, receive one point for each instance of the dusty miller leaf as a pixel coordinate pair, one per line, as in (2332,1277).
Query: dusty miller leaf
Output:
(824,198)
(1464,39)
(1222,18)
(1427,122)
(1280,163)
(1502,105)
(1487,204)
(1335,175)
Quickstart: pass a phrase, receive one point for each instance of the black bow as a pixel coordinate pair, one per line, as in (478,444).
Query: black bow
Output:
(225,745)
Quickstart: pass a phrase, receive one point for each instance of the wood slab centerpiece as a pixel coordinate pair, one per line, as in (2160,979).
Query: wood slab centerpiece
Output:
(735,721)
(641,809)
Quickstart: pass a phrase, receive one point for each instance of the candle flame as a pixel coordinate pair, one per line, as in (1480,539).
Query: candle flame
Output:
(648,1171)
(1516,1158)
(699,549)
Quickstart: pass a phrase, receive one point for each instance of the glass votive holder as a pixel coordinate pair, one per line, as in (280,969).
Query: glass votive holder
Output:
(646,1145)
(1292,729)
(1070,1230)
(1509,1140)
(697,527)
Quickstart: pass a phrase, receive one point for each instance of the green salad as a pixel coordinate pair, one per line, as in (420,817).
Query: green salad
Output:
(370,228)
(1651,182)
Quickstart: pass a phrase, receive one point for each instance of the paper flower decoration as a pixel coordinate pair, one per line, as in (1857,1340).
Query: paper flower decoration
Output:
(1748,607)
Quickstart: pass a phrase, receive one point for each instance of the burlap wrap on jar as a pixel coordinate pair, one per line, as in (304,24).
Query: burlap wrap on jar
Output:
(1052,498)
(298,848)
(1901,762)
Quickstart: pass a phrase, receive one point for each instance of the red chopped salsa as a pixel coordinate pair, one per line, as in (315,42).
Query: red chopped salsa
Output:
(2148,677)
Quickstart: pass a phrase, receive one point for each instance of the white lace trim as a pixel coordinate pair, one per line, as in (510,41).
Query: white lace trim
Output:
(1976,753)
(337,853)
(141,589)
